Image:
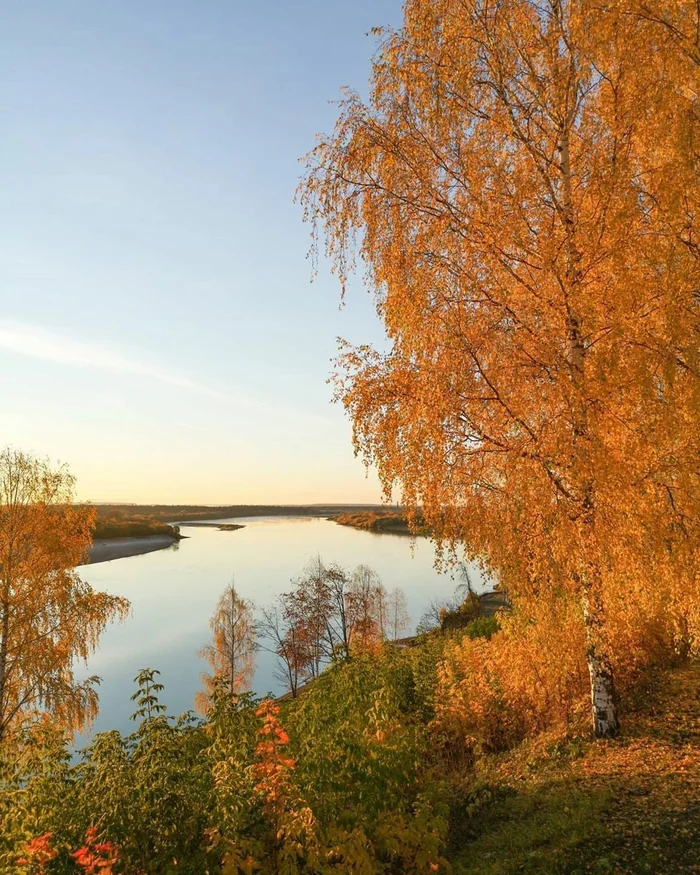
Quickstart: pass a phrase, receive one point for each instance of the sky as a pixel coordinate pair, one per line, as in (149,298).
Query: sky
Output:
(159,330)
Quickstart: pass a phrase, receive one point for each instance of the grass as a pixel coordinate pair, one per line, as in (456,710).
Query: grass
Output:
(535,830)
(581,806)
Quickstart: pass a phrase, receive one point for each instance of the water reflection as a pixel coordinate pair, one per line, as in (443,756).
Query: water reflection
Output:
(173,593)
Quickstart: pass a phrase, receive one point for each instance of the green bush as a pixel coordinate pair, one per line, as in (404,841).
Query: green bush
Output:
(482,627)
(334,781)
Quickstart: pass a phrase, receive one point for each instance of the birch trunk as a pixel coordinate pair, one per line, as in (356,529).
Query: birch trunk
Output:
(603,704)
(603,699)
(3,667)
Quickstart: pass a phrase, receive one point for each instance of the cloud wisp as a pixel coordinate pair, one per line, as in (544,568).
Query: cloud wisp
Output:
(40,343)
(36,342)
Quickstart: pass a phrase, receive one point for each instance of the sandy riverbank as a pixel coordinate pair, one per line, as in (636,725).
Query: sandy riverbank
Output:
(222,527)
(104,550)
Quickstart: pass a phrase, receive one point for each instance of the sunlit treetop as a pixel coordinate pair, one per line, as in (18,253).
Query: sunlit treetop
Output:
(522,188)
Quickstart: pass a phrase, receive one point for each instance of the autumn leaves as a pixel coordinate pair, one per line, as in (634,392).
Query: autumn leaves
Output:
(523,189)
(49,617)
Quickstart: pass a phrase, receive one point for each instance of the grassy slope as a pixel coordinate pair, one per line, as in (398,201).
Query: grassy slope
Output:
(628,806)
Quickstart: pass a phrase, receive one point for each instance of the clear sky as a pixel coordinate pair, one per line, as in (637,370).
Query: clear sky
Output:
(158,329)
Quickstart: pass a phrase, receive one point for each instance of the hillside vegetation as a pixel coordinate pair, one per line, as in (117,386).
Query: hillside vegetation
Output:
(384,522)
(107,527)
(363,774)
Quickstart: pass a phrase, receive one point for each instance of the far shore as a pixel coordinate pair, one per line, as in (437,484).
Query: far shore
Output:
(106,549)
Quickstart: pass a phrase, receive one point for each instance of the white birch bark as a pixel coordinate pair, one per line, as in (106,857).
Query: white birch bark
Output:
(603,700)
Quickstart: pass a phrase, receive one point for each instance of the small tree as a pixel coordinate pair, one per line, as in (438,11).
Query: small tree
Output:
(312,604)
(340,625)
(285,638)
(49,617)
(324,616)
(434,614)
(398,619)
(146,695)
(366,607)
(231,654)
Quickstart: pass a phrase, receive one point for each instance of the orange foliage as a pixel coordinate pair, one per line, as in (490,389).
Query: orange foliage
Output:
(529,676)
(273,766)
(294,827)
(523,188)
(96,858)
(49,617)
(38,852)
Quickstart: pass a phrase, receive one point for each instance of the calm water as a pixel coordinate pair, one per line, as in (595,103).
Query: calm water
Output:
(173,593)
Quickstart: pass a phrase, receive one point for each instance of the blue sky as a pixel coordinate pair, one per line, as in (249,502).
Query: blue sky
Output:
(158,329)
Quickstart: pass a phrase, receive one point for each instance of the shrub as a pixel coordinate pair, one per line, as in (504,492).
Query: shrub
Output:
(482,627)
(531,674)
(332,781)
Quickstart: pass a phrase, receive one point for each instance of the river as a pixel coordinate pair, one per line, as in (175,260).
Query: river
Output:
(174,591)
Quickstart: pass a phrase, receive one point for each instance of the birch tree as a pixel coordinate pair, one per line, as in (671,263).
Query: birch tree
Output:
(314,609)
(49,618)
(398,619)
(366,607)
(231,654)
(523,188)
(340,622)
